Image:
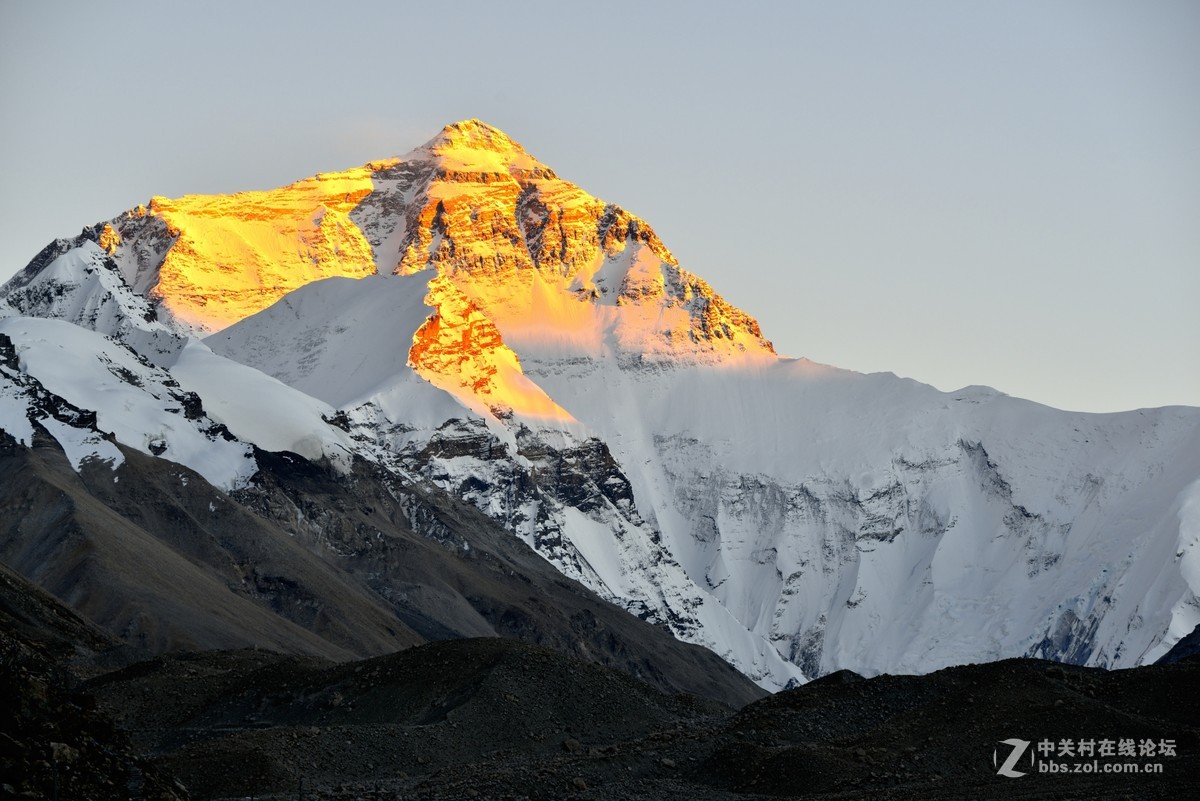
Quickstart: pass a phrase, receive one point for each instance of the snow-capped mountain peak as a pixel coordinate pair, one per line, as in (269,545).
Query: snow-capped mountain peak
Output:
(466,315)
(472,147)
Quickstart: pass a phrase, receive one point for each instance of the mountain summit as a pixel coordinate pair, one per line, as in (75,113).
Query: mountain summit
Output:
(468,140)
(470,204)
(461,316)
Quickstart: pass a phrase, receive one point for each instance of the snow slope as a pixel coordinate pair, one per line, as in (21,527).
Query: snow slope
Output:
(84,285)
(836,519)
(261,410)
(127,398)
(89,391)
(875,523)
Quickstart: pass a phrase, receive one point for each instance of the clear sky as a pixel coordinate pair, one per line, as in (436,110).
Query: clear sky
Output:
(1002,193)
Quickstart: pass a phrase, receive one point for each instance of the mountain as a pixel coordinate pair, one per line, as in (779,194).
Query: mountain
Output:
(499,718)
(461,317)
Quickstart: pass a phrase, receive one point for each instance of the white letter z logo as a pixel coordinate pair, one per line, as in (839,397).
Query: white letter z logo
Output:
(1018,749)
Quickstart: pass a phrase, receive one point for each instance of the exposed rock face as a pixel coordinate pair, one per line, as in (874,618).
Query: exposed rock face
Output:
(523,244)
(460,350)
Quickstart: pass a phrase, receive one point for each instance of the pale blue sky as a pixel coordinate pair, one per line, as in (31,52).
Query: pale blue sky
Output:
(1003,193)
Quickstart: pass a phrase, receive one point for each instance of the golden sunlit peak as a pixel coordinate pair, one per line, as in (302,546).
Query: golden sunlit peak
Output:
(473,135)
(109,239)
(466,150)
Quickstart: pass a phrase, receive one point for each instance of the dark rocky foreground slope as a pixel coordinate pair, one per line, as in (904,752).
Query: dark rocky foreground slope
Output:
(500,719)
(54,742)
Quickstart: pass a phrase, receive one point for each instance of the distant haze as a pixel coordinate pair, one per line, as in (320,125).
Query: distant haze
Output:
(1003,194)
